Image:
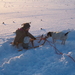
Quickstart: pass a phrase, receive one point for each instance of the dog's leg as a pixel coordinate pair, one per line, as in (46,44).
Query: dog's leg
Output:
(17,44)
(32,42)
(63,42)
(54,40)
(12,43)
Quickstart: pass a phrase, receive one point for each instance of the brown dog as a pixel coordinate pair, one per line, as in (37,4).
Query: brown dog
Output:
(18,43)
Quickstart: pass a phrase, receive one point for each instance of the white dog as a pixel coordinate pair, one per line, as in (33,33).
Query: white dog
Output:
(58,36)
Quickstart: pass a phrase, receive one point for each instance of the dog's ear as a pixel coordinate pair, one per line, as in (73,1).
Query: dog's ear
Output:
(49,34)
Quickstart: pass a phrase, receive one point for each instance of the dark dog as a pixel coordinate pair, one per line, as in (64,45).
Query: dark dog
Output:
(18,43)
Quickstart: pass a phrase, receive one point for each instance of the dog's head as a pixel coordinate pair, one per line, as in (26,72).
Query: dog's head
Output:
(49,34)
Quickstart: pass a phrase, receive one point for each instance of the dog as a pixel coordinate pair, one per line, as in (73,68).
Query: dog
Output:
(18,43)
(15,44)
(58,36)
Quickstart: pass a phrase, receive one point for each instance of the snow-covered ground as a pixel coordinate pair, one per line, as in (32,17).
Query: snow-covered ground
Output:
(51,15)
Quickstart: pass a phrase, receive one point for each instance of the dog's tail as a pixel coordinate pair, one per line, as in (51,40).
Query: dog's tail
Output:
(67,33)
